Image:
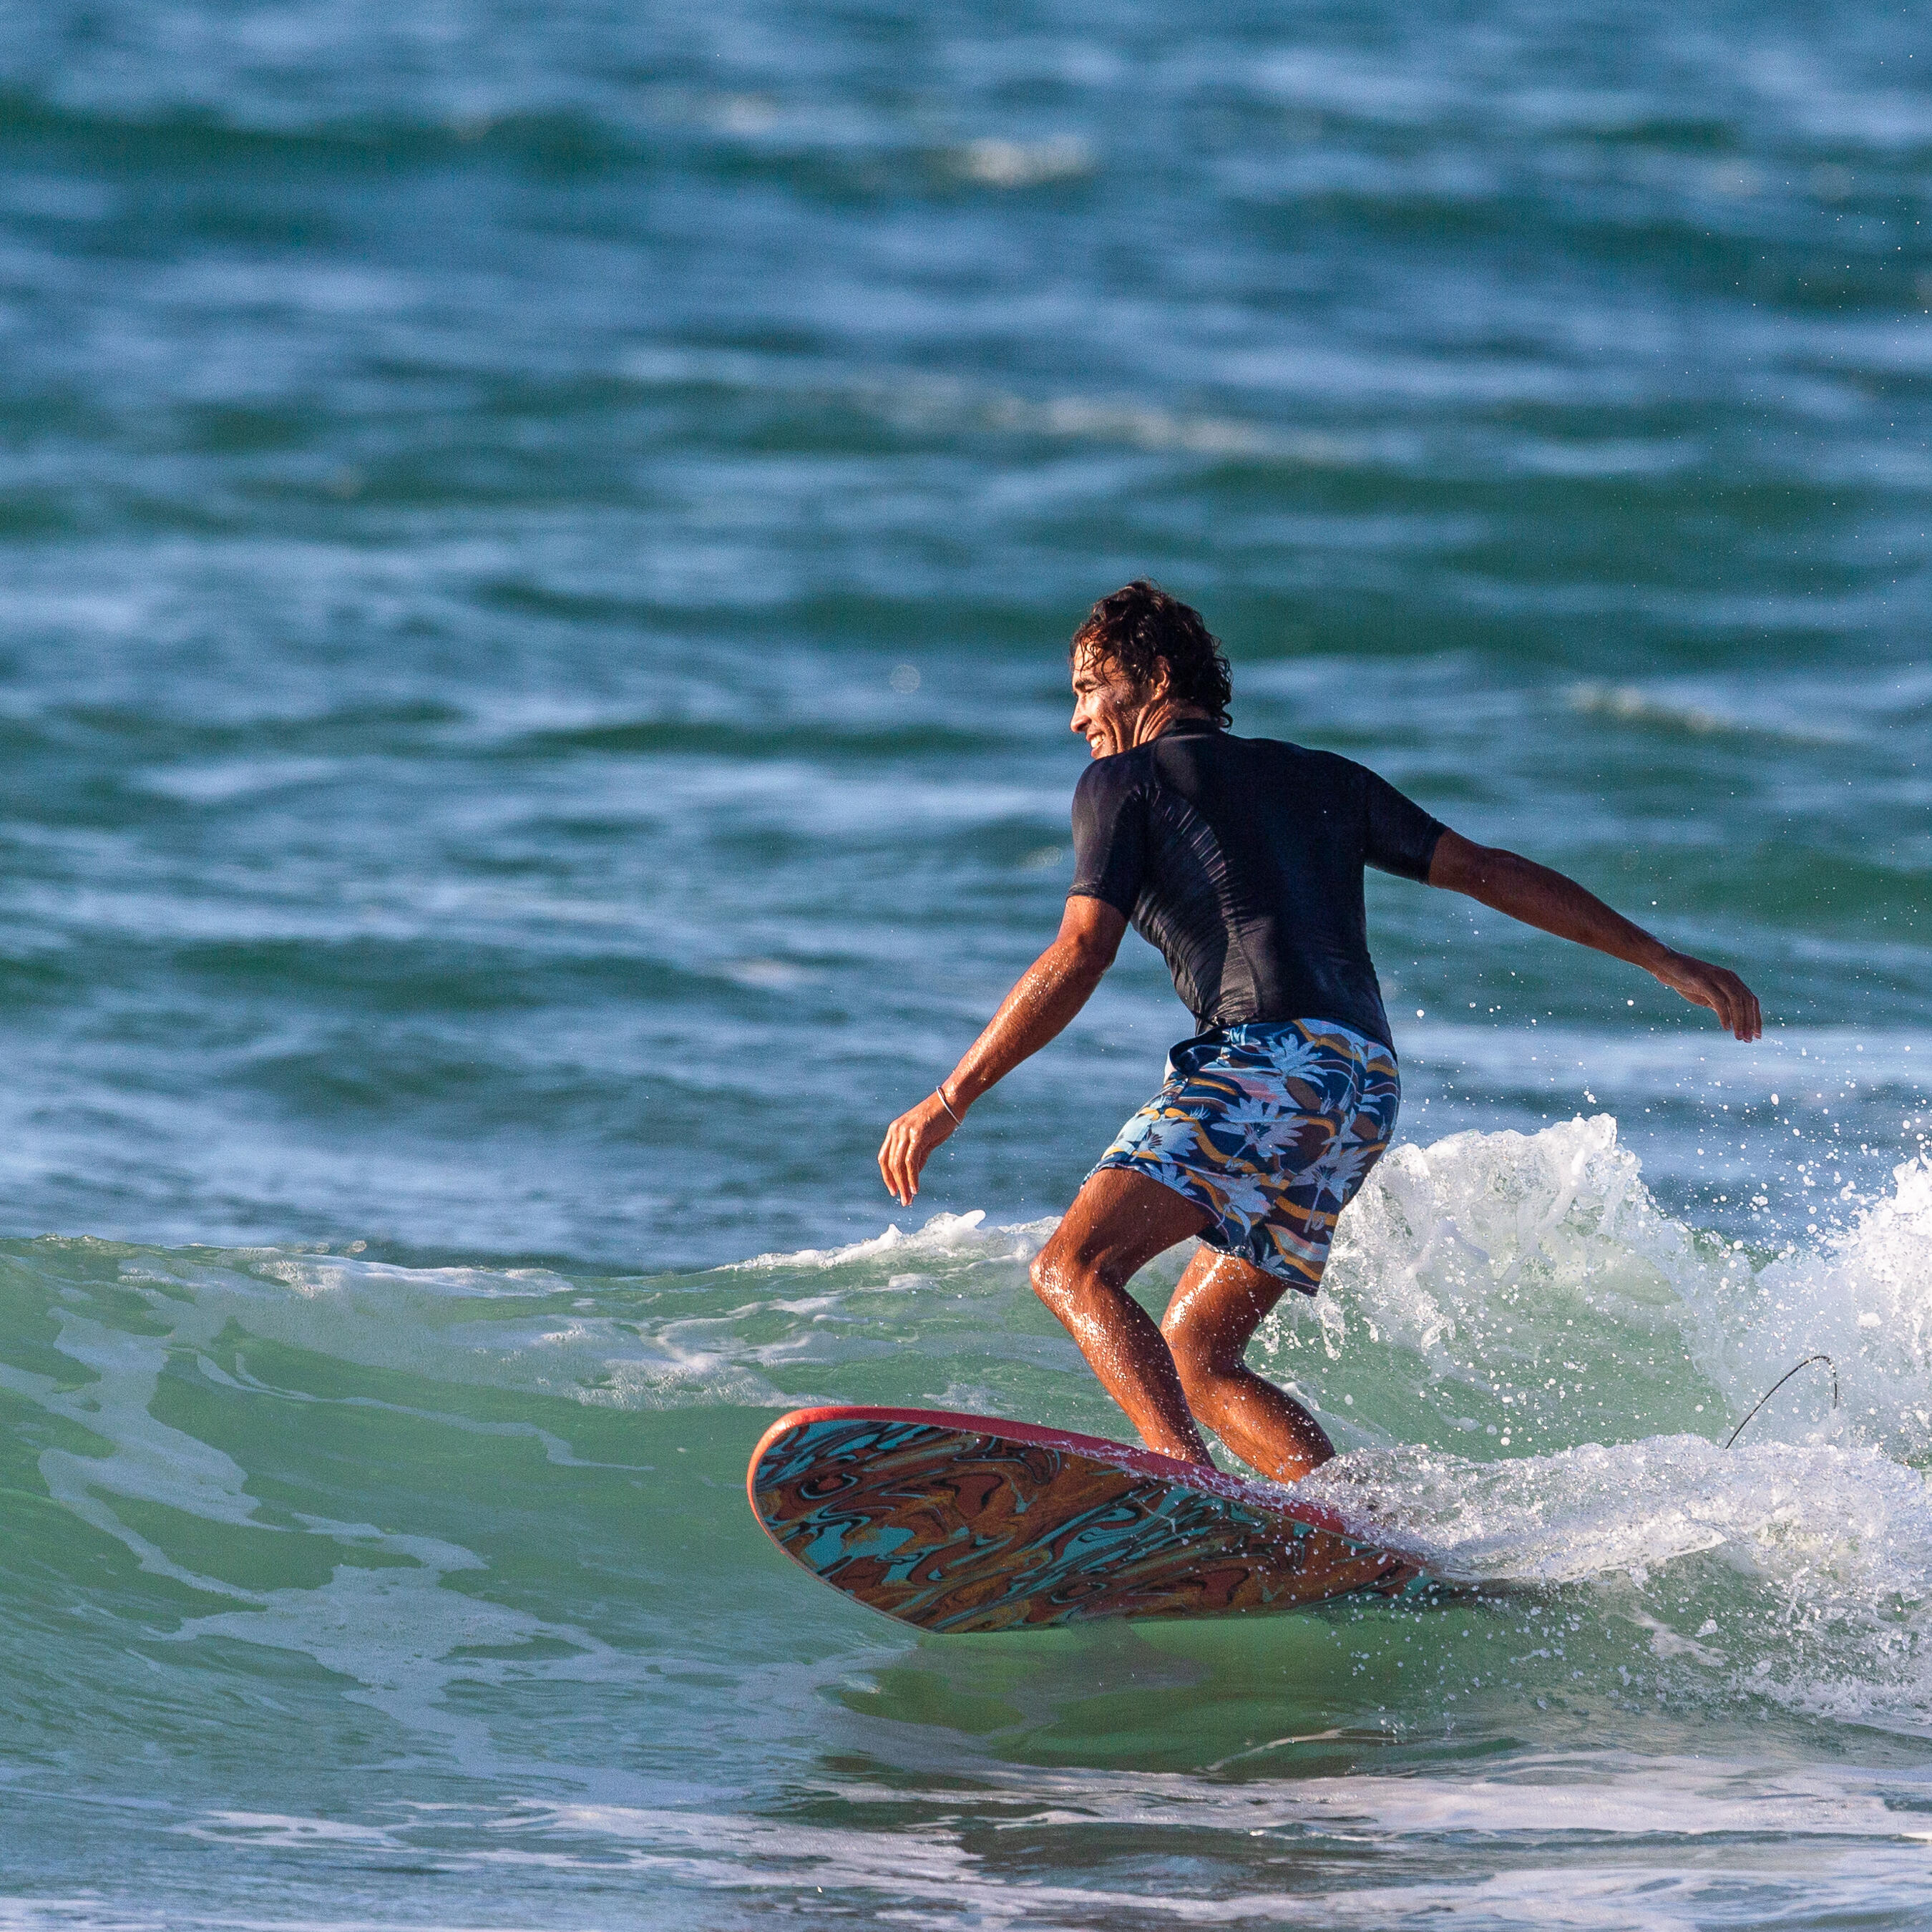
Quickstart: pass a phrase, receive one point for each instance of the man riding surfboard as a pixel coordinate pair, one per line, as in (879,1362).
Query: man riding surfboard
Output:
(1241,859)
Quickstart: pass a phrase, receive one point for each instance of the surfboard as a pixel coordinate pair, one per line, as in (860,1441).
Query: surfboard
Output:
(966,1523)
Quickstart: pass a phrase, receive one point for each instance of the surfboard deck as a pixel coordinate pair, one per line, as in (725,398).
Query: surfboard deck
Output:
(965,1523)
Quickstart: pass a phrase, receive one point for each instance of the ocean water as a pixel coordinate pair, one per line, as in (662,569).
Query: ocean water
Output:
(537,544)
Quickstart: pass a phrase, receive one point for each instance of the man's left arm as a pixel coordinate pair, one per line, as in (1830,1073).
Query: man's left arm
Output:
(1044,998)
(1524,890)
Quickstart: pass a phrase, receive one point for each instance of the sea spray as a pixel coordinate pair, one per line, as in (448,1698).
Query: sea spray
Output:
(1861,1292)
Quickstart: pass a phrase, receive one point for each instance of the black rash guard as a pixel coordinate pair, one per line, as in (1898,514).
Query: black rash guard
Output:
(1241,859)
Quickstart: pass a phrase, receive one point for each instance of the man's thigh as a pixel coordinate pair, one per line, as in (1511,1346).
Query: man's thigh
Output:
(1217,1305)
(1119,1221)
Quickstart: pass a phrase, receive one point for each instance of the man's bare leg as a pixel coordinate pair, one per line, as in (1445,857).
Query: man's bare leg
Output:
(1216,1308)
(1118,1222)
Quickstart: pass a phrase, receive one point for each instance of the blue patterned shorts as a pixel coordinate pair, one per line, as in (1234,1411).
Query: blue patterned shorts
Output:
(1272,1127)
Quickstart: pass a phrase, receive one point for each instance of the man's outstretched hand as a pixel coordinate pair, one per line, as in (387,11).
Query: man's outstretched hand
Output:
(1717,987)
(1539,897)
(911,1142)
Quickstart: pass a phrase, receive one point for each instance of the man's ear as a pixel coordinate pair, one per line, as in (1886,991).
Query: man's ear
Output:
(1159,682)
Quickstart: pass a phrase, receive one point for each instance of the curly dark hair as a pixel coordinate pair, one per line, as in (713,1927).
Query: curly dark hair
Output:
(1140,626)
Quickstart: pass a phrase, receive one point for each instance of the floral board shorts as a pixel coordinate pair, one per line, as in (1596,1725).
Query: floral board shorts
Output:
(1270,1126)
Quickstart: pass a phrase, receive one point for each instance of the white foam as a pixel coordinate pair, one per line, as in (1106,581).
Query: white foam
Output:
(1468,1252)
(1660,1821)
(944,1235)
(1532,1279)
(1006,164)
(1846,1517)
(1863,1296)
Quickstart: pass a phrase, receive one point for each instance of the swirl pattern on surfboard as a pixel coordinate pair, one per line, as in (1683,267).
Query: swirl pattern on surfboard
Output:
(959,1524)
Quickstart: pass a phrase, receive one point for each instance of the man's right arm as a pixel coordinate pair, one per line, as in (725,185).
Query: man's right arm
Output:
(1045,997)
(1539,897)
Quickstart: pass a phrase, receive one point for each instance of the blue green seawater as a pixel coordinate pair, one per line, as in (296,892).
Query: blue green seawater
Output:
(537,546)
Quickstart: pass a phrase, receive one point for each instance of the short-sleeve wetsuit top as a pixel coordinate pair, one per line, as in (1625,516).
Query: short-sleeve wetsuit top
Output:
(1241,859)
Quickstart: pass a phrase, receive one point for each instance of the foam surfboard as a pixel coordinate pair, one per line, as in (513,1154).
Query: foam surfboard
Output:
(960,1523)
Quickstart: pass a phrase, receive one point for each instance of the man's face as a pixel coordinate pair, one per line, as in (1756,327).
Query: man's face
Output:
(1108,705)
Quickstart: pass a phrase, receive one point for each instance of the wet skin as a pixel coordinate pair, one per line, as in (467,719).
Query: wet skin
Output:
(1188,1371)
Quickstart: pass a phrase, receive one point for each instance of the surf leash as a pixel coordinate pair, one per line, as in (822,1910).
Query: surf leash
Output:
(1779,1383)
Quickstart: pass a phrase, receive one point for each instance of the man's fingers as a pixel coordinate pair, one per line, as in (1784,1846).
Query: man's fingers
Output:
(909,1142)
(1720,990)
(1741,1012)
(899,1161)
(1732,1012)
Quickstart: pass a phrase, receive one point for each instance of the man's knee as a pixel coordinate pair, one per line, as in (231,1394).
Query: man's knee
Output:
(1062,1271)
(1043,1272)
(1184,1345)
(1202,1359)
(1049,1273)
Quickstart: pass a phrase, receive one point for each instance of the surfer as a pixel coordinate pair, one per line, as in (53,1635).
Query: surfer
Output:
(1241,859)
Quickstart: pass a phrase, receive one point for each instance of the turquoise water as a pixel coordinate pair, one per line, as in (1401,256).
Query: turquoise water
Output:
(538,547)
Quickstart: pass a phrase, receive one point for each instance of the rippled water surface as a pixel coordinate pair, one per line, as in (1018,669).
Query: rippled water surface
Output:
(538,546)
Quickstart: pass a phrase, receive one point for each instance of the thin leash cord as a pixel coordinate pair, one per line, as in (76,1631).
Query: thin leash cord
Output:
(1779,1383)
